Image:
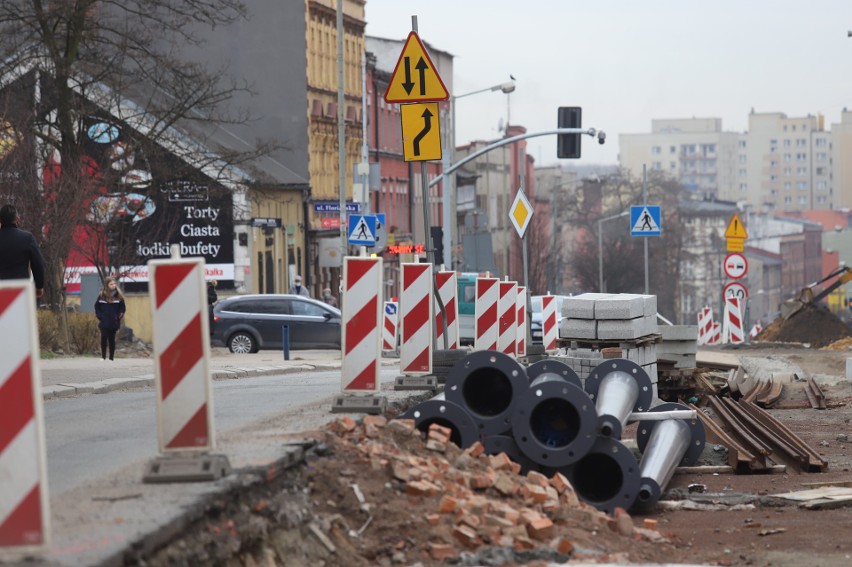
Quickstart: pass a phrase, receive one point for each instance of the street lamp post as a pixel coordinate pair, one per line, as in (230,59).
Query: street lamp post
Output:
(449,159)
(600,246)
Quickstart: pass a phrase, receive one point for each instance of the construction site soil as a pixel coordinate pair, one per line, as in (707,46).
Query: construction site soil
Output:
(377,492)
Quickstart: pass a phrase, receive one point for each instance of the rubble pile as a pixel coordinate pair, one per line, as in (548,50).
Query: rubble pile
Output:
(814,326)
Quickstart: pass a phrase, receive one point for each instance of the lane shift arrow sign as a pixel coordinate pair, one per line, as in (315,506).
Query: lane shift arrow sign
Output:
(427,125)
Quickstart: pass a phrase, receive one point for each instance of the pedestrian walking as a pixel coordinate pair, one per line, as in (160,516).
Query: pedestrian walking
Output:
(19,253)
(212,298)
(297,288)
(328,298)
(109,309)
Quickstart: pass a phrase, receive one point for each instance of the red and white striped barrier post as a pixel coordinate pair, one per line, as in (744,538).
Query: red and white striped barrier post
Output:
(507,307)
(521,341)
(415,351)
(447,289)
(24,500)
(733,321)
(549,329)
(362,280)
(181,355)
(389,326)
(486,329)
(755,329)
(705,325)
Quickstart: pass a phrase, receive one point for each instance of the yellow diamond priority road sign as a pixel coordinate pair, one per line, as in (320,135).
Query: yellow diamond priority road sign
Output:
(415,78)
(521,213)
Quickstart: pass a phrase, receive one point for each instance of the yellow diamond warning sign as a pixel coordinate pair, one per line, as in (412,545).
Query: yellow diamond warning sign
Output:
(735,228)
(520,213)
(415,78)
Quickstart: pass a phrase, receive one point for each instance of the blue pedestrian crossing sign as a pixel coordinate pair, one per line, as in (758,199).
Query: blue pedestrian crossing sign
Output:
(645,220)
(362,230)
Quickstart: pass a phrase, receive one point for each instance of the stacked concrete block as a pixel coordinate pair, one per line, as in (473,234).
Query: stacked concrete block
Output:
(581,360)
(608,316)
(679,345)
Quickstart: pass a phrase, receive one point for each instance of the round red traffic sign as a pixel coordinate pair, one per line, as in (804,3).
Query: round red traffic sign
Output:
(735,266)
(735,289)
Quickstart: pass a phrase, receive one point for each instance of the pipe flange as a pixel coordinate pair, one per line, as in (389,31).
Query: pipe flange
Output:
(557,367)
(646,390)
(607,477)
(487,385)
(448,414)
(496,444)
(697,438)
(554,423)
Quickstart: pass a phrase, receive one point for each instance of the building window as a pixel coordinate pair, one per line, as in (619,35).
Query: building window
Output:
(788,200)
(672,149)
(820,171)
(821,199)
(743,187)
(655,150)
(787,186)
(786,157)
(801,143)
(820,185)
(657,166)
(803,200)
(786,143)
(743,172)
(801,157)
(743,159)
(673,165)
(787,171)
(742,144)
(821,156)
(820,142)
(802,185)
(773,163)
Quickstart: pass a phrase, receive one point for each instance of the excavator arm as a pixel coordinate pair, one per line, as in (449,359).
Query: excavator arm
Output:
(806,295)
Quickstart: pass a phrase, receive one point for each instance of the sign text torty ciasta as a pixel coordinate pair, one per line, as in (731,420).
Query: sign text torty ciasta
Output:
(189,230)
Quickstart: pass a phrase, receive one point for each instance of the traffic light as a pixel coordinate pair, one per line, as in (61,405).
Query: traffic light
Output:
(568,145)
(437,233)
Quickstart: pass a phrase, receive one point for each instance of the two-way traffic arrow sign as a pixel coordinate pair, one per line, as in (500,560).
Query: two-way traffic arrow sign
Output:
(415,78)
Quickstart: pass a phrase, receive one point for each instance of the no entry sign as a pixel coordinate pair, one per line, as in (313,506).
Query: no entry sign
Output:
(735,266)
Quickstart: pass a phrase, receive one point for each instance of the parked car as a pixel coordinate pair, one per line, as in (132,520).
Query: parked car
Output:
(247,323)
(535,317)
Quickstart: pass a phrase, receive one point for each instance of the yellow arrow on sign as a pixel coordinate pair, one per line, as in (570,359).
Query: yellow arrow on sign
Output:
(415,78)
(735,228)
(421,131)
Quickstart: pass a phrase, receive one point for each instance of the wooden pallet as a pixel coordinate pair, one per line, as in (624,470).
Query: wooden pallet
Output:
(598,344)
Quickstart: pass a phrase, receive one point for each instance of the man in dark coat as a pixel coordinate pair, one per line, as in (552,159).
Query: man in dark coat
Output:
(19,253)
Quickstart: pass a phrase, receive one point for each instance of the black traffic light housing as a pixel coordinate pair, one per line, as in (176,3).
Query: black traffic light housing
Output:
(437,234)
(568,145)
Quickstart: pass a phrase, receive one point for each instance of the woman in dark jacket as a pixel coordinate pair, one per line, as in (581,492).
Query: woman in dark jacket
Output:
(109,309)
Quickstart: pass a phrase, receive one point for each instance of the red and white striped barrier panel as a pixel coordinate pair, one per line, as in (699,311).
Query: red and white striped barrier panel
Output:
(486,330)
(705,325)
(415,351)
(733,331)
(362,316)
(549,329)
(716,336)
(181,340)
(24,501)
(521,322)
(755,329)
(389,325)
(447,289)
(507,307)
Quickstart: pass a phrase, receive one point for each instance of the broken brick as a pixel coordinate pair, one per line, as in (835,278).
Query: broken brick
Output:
(649,524)
(421,488)
(537,478)
(377,420)
(441,551)
(439,433)
(436,445)
(475,450)
(447,504)
(559,482)
(402,425)
(540,529)
(433,519)
(500,461)
(467,536)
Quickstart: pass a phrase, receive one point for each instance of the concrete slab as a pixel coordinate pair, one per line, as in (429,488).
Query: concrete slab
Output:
(624,328)
(581,306)
(619,306)
(578,328)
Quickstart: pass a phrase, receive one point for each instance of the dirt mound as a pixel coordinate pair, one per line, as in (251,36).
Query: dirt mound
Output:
(817,327)
(842,344)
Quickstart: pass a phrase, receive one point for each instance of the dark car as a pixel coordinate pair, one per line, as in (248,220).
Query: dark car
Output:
(247,323)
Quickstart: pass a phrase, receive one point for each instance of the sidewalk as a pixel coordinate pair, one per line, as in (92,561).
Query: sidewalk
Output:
(70,376)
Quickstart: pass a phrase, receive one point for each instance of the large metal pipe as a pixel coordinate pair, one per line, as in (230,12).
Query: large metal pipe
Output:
(607,477)
(486,383)
(555,421)
(619,387)
(665,445)
(448,414)
(557,367)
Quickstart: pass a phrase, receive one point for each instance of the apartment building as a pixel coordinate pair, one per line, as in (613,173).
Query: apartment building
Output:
(696,151)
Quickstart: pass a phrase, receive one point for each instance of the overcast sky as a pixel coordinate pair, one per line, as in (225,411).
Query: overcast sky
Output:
(627,62)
